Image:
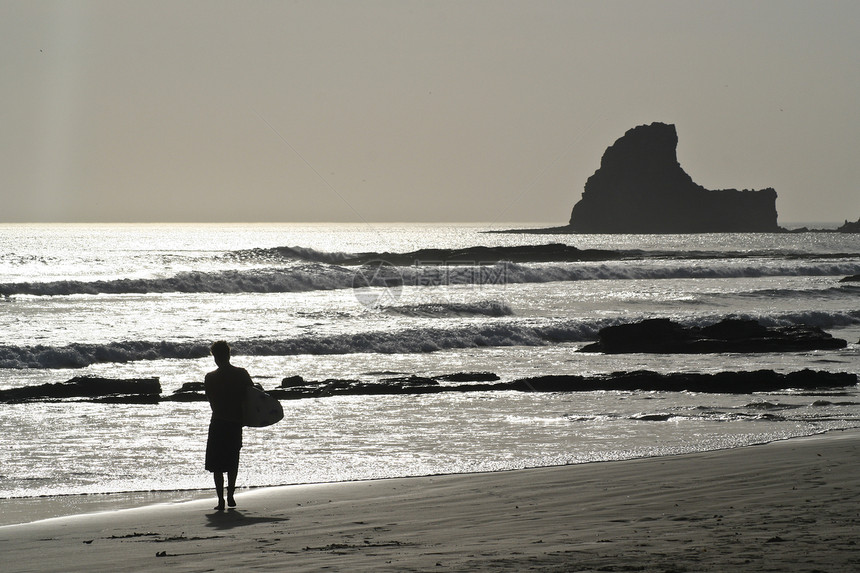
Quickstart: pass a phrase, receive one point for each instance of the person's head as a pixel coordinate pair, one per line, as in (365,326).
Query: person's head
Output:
(220,352)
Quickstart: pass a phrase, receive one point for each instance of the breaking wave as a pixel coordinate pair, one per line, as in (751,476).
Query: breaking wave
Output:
(406,341)
(451,309)
(821,319)
(416,340)
(302,277)
(834,292)
(552,252)
(276,254)
(681,269)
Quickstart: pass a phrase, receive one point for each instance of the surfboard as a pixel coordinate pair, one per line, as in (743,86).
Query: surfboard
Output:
(259,409)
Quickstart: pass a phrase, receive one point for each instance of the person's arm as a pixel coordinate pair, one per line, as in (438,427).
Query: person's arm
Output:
(207,389)
(246,378)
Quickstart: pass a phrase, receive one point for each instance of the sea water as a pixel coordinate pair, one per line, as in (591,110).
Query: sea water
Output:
(124,301)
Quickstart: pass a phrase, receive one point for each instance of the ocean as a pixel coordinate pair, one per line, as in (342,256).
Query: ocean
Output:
(137,301)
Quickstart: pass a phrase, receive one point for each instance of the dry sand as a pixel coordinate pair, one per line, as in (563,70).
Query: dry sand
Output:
(786,506)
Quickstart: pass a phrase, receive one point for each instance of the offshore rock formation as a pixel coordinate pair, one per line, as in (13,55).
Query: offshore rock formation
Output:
(850,227)
(743,382)
(641,188)
(93,388)
(295,388)
(662,336)
(847,227)
(722,382)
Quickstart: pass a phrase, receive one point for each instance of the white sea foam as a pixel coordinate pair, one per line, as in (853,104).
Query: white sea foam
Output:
(452,309)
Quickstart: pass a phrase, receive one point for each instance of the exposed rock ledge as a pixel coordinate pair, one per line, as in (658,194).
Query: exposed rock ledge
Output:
(661,335)
(721,382)
(295,388)
(92,387)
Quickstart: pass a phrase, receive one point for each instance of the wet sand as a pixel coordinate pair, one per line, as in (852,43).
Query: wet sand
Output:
(787,506)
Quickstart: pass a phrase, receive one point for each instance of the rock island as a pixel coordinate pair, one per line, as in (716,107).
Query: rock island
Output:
(641,188)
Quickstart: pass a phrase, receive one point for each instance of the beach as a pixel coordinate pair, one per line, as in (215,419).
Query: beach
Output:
(791,505)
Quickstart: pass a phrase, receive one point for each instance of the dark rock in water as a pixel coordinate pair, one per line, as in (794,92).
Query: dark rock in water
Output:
(641,188)
(85,387)
(337,383)
(849,227)
(652,335)
(294,393)
(188,392)
(851,279)
(412,380)
(720,382)
(661,335)
(469,377)
(328,387)
(192,387)
(146,391)
(291,381)
(180,396)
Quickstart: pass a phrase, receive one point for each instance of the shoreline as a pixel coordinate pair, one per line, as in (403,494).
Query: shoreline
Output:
(23,510)
(34,509)
(786,505)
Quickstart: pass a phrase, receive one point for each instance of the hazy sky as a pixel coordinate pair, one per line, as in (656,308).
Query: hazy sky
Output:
(414,111)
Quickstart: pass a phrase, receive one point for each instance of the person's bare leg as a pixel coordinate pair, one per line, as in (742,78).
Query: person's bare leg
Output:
(219,489)
(231,487)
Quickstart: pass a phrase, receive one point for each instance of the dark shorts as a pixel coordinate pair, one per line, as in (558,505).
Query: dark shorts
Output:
(223,445)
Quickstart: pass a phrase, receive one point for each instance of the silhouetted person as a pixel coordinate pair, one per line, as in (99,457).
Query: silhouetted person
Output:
(225,390)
